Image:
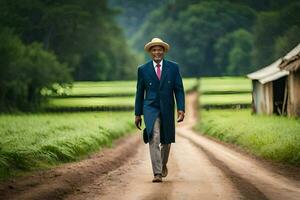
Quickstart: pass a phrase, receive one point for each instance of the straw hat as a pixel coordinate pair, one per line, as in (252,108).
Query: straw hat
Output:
(156,42)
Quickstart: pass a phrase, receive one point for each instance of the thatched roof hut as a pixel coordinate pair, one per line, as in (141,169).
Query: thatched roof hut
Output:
(263,82)
(291,63)
(276,87)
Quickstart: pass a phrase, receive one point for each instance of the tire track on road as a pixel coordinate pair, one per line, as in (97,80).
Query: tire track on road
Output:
(62,180)
(249,175)
(246,188)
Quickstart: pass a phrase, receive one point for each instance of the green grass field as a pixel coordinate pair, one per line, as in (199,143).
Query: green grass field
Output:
(109,88)
(101,88)
(221,85)
(30,141)
(221,99)
(224,92)
(114,95)
(272,137)
(92,102)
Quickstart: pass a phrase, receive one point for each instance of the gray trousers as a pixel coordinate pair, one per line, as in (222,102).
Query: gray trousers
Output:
(159,153)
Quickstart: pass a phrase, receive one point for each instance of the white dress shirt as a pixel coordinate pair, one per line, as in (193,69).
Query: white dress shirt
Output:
(155,68)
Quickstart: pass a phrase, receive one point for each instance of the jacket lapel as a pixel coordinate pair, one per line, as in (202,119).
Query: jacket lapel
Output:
(152,72)
(164,72)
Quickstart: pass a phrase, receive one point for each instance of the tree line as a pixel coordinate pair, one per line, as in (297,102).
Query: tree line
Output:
(219,37)
(45,43)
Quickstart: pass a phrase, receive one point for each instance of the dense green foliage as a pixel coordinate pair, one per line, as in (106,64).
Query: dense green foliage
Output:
(217,37)
(83,34)
(276,138)
(134,13)
(38,140)
(47,42)
(233,52)
(25,70)
(83,40)
(276,33)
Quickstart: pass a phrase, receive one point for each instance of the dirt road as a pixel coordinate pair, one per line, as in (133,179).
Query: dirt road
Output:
(199,168)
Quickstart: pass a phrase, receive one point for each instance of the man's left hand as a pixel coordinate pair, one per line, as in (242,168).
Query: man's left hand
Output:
(180,116)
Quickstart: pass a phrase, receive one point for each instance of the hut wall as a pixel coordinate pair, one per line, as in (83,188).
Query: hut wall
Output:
(268,95)
(257,96)
(262,96)
(294,94)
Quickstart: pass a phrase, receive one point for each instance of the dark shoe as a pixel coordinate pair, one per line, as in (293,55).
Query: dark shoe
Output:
(164,171)
(157,178)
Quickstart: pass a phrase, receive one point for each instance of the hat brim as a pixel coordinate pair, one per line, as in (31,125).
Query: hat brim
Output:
(152,44)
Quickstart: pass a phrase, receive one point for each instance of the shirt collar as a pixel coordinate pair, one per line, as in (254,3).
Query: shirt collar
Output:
(154,63)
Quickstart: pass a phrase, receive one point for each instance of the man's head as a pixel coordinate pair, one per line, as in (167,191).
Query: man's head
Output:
(157,48)
(157,53)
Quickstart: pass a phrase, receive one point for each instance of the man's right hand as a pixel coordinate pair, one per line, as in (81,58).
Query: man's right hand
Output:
(138,122)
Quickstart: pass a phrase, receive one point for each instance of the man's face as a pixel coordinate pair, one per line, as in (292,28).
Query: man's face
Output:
(157,53)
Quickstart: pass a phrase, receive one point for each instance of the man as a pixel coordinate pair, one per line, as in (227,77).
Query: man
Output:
(157,82)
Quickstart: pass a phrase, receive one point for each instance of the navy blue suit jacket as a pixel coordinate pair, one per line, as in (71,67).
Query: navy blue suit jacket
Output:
(155,98)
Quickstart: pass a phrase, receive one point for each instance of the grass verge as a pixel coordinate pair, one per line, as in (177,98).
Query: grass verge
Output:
(271,137)
(32,141)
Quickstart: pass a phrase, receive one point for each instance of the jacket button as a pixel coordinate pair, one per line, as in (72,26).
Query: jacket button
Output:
(150,83)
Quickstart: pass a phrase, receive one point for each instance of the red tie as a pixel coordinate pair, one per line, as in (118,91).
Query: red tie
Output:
(158,72)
